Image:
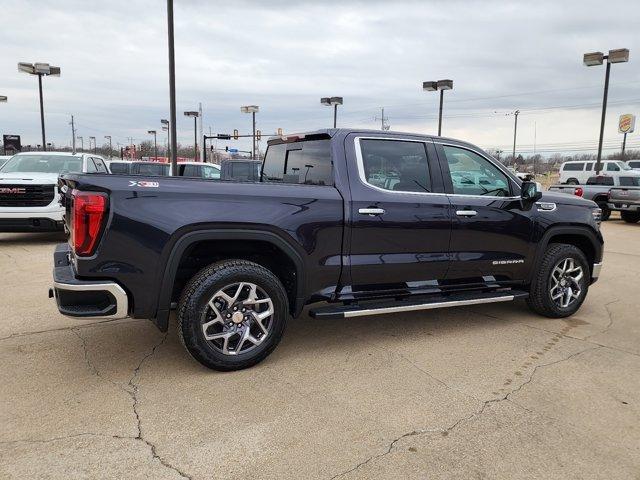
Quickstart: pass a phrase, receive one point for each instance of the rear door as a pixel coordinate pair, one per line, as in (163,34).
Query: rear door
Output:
(400,217)
(491,233)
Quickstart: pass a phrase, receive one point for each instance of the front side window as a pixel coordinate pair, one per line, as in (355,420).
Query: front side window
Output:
(613,167)
(307,162)
(396,165)
(210,172)
(100,166)
(472,174)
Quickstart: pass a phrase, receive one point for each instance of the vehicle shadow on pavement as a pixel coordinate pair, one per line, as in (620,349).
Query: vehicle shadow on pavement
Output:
(10,239)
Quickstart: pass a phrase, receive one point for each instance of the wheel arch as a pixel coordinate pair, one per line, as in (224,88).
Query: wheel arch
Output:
(186,244)
(581,237)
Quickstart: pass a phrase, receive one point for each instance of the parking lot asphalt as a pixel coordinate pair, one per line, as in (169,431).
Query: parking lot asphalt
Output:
(491,391)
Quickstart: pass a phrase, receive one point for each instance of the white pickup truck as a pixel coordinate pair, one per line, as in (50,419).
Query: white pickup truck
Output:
(29,199)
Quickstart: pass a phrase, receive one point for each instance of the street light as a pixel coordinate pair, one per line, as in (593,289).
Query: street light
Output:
(441,85)
(155,143)
(332,102)
(81,143)
(620,55)
(252,109)
(94,144)
(108,137)
(195,116)
(40,69)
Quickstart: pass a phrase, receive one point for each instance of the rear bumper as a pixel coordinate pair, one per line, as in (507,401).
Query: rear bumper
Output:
(624,207)
(85,298)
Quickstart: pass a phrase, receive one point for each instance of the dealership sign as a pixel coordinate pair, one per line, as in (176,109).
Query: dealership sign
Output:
(11,143)
(627,123)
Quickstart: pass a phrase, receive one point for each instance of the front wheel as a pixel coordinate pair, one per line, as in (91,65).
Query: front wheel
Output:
(630,217)
(232,315)
(561,282)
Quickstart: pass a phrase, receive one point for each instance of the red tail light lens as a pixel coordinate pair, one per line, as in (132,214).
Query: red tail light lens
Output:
(89,211)
(578,191)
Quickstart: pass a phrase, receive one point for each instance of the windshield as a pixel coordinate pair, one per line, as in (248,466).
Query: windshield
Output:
(624,166)
(37,163)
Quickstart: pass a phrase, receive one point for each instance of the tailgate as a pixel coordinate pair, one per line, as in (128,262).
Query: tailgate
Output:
(625,194)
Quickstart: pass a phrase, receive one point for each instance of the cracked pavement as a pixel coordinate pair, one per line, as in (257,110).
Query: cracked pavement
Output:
(491,391)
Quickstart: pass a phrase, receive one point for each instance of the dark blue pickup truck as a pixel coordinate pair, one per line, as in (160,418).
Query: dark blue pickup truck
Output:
(353,222)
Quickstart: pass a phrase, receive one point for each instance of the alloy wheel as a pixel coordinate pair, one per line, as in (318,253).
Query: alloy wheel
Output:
(565,283)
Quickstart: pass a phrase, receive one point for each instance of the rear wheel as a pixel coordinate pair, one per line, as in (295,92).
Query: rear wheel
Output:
(232,315)
(561,282)
(573,181)
(630,217)
(606,211)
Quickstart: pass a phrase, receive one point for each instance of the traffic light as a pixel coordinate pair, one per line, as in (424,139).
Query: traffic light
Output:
(235,134)
(258,135)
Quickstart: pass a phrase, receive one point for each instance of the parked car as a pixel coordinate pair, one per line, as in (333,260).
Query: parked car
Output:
(626,200)
(577,172)
(238,258)
(126,167)
(241,169)
(199,170)
(28,198)
(634,164)
(597,189)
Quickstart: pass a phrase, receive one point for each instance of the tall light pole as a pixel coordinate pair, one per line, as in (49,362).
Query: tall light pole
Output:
(332,102)
(95,147)
(620,55)
(155,143)
(81,143)
(40,69)
(108,137)
(195,116)
(515,132)
(165,128)
(252,109)
(441,85)
(172,89)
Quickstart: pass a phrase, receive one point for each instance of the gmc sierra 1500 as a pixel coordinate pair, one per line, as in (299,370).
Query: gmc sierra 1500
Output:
(371,222)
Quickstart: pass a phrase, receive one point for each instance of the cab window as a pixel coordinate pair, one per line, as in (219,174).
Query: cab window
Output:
(472,174)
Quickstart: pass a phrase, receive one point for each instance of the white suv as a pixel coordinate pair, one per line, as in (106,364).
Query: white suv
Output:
(577,172)
(28,188)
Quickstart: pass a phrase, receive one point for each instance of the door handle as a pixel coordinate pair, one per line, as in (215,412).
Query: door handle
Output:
(466,213)
(371,211)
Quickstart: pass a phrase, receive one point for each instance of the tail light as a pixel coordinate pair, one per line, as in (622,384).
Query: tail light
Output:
(87,216)
(579,192)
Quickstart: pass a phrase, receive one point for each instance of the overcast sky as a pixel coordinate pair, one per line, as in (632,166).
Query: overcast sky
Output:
(283,56)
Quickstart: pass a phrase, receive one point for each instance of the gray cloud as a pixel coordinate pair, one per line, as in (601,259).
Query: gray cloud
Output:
(283,56)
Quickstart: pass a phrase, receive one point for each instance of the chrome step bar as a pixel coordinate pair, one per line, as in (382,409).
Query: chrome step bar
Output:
(408,305)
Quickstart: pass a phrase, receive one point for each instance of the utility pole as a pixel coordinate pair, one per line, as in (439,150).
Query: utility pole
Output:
(73,136)
(383,121)
(108,137)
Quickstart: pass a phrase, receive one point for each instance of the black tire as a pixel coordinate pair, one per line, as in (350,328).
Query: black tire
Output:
(193,308)
(630,217)
(606,211)
(573,181)
(539,299)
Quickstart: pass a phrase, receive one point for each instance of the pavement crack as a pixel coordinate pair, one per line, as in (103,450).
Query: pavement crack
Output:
(133,392)
(610,323)
(66,437)
(62,329)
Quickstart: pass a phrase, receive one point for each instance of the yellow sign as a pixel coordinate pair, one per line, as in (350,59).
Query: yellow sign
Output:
(627,123)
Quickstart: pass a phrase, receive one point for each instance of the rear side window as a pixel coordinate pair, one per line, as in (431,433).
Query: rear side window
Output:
(151,169)
(395,165)
(634,164)
(589,166)
(100,166)
(573,167)
(119,168)
(630,181)
(601,180)
(307,163)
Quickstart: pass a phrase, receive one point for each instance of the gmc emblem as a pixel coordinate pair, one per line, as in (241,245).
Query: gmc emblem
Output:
(13,191)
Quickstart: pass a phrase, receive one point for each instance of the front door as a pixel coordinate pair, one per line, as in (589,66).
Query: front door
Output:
(400,220)
(491,231)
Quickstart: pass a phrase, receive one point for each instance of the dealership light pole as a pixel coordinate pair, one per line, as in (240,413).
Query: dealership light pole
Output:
(172,89)
(515,132)
(332,102)
(620,55)
(441,85)
(95,147)
(108,137)
(81,143)
(252,109)
(40,69)
(155,143)
(195,116)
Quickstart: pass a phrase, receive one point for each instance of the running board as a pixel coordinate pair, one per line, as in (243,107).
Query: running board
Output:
(441,301)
